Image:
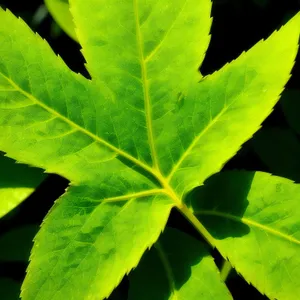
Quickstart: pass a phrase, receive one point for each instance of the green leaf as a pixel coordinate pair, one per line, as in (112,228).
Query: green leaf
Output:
(17,243)
(133,140)
(177,267)
(17,182)
(59,10)
(197,127)
(255,220)
(279,149)
(290,102)
(152,53)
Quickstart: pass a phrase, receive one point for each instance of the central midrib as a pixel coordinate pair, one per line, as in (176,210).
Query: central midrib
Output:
(96,138)
(147,100)
(168,190)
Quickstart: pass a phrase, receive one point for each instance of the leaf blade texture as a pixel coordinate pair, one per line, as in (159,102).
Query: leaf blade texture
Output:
(228,102)
(111,141)
(256,225)
(142,71)
(177,267)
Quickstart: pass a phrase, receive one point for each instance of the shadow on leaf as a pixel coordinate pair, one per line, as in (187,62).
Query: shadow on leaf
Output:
(222,200)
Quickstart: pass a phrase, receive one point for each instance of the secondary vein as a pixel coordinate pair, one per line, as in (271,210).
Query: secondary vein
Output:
(250,223)
(81,129)
(156,49)
(135,195)
(166,188)
(193,144)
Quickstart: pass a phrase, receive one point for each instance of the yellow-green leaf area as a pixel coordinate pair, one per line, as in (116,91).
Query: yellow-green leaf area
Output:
(133,140)
(256,225)
(17,182)
(59,10)
(177,267)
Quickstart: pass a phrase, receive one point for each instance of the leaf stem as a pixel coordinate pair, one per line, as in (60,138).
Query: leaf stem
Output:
(225,270)
(188,214)
(182,207)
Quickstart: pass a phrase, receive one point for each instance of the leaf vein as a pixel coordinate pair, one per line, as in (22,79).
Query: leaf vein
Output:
(81,129)
(250,223)
(145,87)
(155,50)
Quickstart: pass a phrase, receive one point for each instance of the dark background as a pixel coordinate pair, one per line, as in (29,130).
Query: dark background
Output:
(237,26)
